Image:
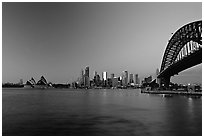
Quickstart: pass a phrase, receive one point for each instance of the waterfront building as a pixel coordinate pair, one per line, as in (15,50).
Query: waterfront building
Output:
(120,83)
(137,81)
(114,82)
(131,78)
(109,82)
(30,83)
(82,78)
(86,77)
(104,78)
(95,74)
(104,75)
(112,77)
(96,79)
(42,83)
(157,79)
(125,78)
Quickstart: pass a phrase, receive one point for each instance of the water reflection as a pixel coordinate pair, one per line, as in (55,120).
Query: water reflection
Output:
(99,113)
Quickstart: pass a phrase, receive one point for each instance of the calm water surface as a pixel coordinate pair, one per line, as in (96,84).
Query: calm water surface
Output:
(98,112)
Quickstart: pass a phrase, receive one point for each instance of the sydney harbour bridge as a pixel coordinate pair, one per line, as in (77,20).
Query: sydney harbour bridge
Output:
(183,51)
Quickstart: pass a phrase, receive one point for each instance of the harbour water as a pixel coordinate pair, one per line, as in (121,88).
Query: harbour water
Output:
(111,112)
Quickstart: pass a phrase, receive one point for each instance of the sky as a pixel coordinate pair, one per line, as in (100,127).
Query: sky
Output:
(57,40)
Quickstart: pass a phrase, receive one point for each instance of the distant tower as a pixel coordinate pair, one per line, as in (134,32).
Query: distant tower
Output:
(157,79)
(86,77)
(104,78)
(104,75)
(125,78)
(82,78)
(112,79)
(112,75)
(137,79)
(131,78)
(115,82)
(95,73)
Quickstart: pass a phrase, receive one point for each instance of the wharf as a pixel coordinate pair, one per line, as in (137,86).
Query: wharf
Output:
(171,92)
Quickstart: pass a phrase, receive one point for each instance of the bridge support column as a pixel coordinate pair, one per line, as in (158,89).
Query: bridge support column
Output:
(164,82)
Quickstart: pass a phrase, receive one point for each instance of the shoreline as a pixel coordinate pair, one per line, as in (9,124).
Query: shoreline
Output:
(171,92)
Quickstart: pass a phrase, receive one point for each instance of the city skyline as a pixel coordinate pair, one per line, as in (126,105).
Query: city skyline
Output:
(57,40)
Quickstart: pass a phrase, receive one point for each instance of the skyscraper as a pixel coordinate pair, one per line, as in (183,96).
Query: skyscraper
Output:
(95,73)
(112,75)
(86,77)
(131,78)
(82,78)
(137,79)
(104,78)
(104,75)
(96,79)
(157,79)
(125,78)
(115,82)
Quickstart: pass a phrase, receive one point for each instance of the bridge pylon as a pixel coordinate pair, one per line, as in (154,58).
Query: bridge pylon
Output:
(164,81)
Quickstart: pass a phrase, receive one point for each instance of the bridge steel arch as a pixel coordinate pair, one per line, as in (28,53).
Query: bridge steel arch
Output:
(188,34)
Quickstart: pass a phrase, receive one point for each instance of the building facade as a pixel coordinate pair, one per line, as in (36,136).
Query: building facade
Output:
(86,77)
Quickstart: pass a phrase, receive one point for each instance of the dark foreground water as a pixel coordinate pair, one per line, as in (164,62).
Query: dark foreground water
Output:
(98,112)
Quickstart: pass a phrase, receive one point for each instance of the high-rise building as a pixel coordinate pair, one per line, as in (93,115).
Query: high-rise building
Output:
(96,79)
(86,77)
(125,78)
(131,78)
(157,79)
(104,75)
(137,81)
(82,78)
(115,82)
(95,73)
(104,78)
(112,75)
(87,71)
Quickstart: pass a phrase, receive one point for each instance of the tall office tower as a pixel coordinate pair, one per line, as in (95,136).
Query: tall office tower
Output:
(87,71)
(95,73)
(137,79)
(125,78)
(114,82)
(131,78)
(82,78)
(97,80)
(157,79)
(112,77)
(104,75)
(86,75)
(104,78)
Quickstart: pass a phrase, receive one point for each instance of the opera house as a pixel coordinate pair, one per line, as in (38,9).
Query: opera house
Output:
(42,83)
